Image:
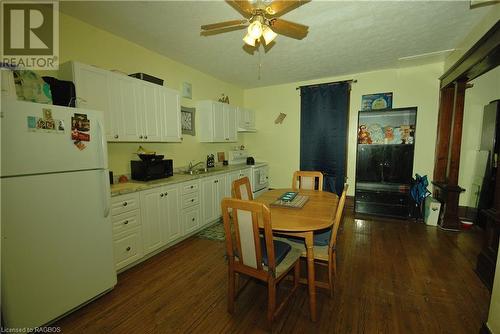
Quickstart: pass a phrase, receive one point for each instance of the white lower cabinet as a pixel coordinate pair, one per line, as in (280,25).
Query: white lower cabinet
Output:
(233,176)
(160,217)
(172,230)
(191,219)
(127,247)
(153,218)
(213,190)
(127,230)
(147,220)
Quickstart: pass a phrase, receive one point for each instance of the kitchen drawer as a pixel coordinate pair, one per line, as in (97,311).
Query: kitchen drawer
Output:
(190,200)
(190,187)
(127,248)
(191,219)
(124,203)
(126,221)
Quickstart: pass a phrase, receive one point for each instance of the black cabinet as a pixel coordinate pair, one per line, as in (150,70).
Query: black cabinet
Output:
(384,165)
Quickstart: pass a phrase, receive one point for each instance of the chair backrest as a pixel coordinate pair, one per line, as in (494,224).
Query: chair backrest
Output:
(243,245)
(242,190)
(307,180)
(338,217)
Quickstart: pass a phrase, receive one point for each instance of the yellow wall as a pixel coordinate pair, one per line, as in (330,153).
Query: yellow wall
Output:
(486,89)
(91,45)
(474,35)
(279,144)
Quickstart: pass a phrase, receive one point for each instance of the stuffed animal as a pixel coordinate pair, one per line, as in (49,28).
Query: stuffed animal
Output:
(364,135)
(406,137)
(388,134)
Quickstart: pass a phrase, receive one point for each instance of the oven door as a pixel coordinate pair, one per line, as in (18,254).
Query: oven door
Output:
(260,178)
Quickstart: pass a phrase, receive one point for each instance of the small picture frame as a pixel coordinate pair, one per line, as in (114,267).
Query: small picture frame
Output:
(376,101)
(187,121)
(187,90)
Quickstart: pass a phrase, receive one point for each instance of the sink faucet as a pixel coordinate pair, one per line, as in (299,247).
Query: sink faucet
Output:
(191,166)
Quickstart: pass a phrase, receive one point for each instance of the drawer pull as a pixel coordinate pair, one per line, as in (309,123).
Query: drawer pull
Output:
(125,222)
(192,199)
(128,249)
(162,194)
(192,187)
(125,203)
(116,136)
(166,193)
(193,219)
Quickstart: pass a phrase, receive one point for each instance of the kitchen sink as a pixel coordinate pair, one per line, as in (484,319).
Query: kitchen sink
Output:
(203,170)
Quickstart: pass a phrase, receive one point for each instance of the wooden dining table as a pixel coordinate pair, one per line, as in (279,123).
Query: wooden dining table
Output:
(317,214)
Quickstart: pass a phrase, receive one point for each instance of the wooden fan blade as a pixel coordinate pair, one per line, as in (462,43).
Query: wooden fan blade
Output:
(242,6)
(222,30)
(278,8)
(222,25)
(290,29)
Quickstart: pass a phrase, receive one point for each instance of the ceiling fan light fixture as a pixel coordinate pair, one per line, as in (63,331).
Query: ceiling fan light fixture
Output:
(255,29)
(249,40)
(268,34)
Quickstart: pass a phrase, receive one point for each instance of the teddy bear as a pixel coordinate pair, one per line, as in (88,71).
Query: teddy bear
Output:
(364,135)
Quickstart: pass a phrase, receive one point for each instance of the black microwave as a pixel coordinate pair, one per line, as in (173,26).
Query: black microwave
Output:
(151,170)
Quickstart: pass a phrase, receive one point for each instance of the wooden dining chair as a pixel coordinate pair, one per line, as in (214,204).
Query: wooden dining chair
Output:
(326,255)
(242,190)
(307,180)
(263,258)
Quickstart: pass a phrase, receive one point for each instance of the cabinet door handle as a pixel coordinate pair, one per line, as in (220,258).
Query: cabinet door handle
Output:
(192,200)
(128,249)
(140,137)
(161,195)
(165,193)
(193,219)
(116,136)
(125,222)
(125,203)
(145,137)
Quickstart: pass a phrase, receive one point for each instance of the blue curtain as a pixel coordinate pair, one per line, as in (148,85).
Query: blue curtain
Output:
(323,132)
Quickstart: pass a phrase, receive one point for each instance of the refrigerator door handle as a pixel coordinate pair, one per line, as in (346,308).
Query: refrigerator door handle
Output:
(106,192)
(103,147)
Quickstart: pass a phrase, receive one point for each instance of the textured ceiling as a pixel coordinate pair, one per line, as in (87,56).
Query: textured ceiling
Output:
(344,36)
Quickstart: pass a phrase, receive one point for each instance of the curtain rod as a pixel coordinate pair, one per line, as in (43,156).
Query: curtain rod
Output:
(329,83)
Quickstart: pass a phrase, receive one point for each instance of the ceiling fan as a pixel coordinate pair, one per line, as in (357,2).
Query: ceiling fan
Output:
(261,18)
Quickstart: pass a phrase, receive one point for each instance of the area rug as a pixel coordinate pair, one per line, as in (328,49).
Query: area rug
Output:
(213,232)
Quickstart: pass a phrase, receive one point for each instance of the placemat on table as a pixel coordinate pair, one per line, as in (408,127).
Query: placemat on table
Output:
(298,202)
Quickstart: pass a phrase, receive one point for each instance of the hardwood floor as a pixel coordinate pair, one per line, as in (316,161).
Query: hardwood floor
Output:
(393,277)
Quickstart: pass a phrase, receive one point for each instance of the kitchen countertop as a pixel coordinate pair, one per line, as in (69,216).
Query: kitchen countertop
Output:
(133,186)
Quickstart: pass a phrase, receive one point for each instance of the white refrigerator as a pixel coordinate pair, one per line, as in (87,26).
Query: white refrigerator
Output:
(56,246)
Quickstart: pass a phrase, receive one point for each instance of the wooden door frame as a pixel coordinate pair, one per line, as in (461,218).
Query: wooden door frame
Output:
(479,59)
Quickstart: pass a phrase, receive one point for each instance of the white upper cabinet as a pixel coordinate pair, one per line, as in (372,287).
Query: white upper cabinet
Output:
(246,120)
(134,110)
(230,126)
(217,122)
(148,111)
(92,90)
(170,106)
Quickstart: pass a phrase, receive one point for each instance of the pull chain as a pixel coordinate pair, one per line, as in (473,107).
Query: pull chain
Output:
(260,64)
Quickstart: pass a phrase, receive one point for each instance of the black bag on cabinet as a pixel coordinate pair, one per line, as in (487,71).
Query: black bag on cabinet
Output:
(63,92)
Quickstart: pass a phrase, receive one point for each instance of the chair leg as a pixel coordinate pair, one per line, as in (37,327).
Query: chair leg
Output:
(271,299)
(330,276)
(230,294)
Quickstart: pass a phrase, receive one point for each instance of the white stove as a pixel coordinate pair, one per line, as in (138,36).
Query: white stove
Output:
(259,179)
